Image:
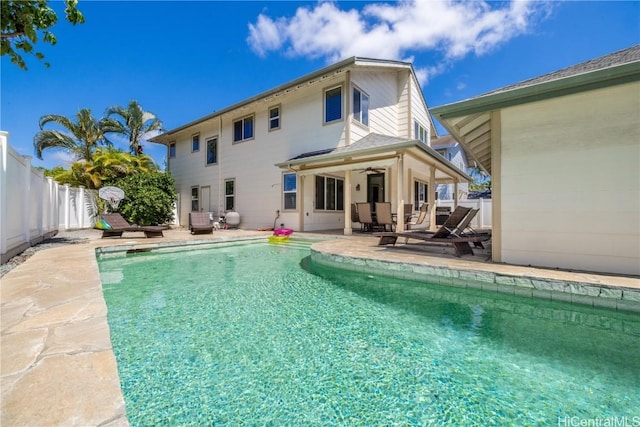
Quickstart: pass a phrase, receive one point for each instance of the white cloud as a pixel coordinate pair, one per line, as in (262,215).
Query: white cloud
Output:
(394,30)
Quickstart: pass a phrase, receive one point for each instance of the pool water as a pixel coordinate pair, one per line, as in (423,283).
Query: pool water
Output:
(254,334)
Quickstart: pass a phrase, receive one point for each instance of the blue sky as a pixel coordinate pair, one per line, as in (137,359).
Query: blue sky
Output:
(184,60)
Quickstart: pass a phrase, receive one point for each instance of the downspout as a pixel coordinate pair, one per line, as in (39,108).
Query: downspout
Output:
(349,115)
(220,186)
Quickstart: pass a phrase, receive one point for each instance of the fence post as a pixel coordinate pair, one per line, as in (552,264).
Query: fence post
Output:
(67,207)
(481,206)
(80,206)
(26,193)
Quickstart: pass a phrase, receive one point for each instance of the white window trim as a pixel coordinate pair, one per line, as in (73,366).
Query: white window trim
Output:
(197,198)
(288,192)
(233,128)
(353,113)
(192,137)
(206,151)
(325,194)
(174,150)
(279,107)
(324,104)
(424,128)
(225,195)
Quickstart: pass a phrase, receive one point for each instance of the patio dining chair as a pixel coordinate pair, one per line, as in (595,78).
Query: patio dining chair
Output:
(384,216)
(364,216)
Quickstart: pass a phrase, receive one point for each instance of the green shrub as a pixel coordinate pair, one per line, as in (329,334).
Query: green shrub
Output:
(149,198)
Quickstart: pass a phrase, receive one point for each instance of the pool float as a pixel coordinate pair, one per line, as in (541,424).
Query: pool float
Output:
(282,232)
(278,239)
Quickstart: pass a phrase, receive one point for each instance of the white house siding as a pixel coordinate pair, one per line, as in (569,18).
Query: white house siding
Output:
(567,163)
(258,182)
(383,94)
(405,121)
(419,111)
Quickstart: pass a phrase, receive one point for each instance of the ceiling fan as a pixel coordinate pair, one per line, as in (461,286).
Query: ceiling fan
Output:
(371,170)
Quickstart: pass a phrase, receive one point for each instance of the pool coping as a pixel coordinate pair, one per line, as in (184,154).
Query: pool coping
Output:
(58,365)
(590,289)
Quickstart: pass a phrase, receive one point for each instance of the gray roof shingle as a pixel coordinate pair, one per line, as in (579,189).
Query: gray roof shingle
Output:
(624,56)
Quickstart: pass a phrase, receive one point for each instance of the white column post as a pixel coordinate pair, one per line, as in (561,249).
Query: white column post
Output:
(432,198)
(347,203)
(400,193)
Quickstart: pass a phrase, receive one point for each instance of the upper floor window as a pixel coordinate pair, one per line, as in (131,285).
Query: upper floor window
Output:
(333,104)
(172,150)
(420,133)
(360,106)
(212,151)
(329,193)
(195,143)
(243,129)
(274,118)
(290,191)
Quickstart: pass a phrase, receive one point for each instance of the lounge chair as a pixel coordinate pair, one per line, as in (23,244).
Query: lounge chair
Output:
(199,223)
(364,215)
(384,216)
(465,229)
(119,225)
(421,216)
(444,235)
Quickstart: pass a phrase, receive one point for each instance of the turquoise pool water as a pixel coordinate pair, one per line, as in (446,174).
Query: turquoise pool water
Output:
(253,334)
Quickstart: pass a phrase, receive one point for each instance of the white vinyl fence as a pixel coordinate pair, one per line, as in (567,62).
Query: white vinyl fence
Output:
(482,219)
(34,207)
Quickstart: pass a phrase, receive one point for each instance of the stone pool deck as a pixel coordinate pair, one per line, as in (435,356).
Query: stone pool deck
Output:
(57,365)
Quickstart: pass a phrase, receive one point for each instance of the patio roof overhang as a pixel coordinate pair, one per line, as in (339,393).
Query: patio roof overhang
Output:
(473,122)
(374,150)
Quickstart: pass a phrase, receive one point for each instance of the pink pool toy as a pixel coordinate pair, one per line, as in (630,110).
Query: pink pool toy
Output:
(282,232)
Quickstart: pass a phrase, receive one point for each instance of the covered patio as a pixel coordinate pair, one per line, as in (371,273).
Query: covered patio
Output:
(404,169)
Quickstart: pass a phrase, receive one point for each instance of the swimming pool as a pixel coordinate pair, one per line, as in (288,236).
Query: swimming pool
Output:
(253,334)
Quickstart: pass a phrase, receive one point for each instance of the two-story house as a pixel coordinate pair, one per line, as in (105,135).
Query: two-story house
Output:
(451,150)
(300,154)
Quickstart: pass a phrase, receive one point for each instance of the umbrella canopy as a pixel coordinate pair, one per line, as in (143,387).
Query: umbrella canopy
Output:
(111,193)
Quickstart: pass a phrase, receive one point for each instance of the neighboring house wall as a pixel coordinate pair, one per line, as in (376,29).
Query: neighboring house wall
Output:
(570,175)
(455,155)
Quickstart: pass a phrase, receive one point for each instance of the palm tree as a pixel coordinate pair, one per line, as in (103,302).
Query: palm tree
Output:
(82,138)
(133,122)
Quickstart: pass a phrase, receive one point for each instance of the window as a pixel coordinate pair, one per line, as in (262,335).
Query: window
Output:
(172,150)
(333,105)
(195,143)
(243,129)
(361,106)
(229,194)
(420,194)
(195,199)
(420,133)
(329,193)
(290,191)
(212,151)
(274,118)
(445,153)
